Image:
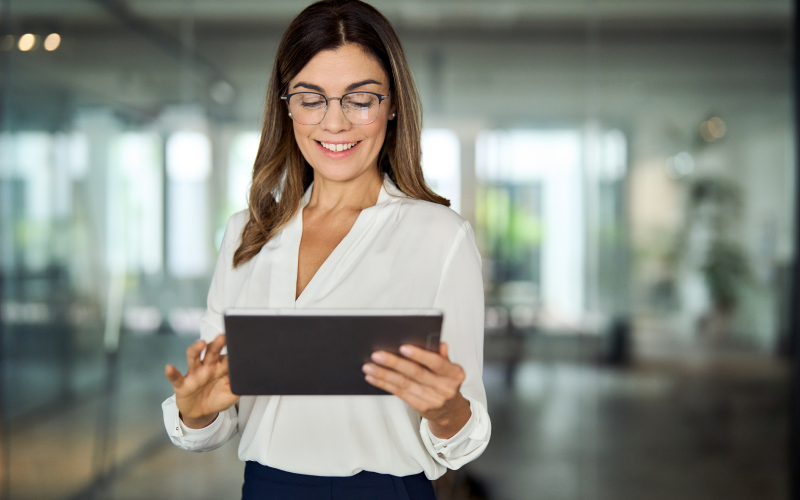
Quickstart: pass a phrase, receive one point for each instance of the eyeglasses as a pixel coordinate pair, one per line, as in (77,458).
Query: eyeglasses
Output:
(309,108)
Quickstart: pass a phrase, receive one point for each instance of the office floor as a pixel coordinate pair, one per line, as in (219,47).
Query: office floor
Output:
(661,429)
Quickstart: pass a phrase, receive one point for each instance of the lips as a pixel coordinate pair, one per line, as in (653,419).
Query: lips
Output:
(337,147)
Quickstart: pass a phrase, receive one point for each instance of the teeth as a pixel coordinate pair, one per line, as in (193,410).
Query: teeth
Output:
(338,147)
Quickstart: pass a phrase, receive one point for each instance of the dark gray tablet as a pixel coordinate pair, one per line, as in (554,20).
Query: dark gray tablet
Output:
(316,352)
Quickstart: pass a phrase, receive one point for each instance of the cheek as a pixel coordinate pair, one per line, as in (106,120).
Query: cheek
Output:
(378,133)
(301,133)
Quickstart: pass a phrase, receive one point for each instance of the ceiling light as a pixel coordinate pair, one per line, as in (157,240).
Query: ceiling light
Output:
(680,165)
(52,42)
(26,42)
(716,127)
(706,133)
(222,92)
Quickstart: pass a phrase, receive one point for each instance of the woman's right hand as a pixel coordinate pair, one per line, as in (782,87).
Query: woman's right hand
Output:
(205,390)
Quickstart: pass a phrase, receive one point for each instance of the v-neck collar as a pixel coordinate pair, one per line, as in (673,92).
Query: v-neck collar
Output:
(331,269)
(273,277)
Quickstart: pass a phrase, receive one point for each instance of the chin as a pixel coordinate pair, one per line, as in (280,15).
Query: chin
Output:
(339,171)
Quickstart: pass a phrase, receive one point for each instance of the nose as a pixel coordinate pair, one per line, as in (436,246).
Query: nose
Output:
(334,120)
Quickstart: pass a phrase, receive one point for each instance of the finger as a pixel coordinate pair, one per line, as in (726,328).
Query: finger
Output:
(417,402)
(193,354)
(222,367)
(389,376)
(431,360)
(434,389)
(212,353)
(443,350)
(430,394)
(408,368)
(174,376)
(440,366)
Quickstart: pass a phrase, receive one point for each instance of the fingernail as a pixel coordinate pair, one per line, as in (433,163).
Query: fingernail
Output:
(378,357)
(406,350)
(368,368)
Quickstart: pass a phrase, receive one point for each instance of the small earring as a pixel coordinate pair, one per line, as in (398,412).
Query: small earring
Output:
(392,115)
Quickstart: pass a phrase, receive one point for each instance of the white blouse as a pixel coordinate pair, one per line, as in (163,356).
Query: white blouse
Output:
(401,253)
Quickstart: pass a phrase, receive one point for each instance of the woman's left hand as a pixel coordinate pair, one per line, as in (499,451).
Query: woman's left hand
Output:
(429,382)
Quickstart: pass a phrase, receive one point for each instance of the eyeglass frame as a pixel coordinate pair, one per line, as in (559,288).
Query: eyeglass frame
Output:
(380,97)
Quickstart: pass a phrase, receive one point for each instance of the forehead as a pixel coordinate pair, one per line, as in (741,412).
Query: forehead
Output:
(334,70)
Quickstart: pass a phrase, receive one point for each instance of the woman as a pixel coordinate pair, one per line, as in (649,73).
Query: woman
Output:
(340,216)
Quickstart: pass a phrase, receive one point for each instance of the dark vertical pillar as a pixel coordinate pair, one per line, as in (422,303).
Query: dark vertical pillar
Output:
(794,298)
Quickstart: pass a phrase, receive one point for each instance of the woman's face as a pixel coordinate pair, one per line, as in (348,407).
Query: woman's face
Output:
(334,73)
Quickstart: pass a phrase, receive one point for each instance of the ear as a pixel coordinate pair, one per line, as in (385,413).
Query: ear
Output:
(393,111)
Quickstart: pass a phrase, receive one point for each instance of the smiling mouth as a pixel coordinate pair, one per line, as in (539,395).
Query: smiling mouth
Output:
(338,147)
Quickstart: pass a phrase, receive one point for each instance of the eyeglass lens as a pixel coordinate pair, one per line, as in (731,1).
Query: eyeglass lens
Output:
(309,108)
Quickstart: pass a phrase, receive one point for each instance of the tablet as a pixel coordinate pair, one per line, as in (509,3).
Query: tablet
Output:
(318,351)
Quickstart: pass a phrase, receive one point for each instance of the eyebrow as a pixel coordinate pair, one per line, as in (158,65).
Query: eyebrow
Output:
(350,87)
(354,86)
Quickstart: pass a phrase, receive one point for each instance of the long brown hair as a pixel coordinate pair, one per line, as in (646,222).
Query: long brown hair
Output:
(280,173)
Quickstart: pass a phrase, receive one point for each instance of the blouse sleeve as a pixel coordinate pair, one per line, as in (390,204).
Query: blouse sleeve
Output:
(460,296)
(211,325)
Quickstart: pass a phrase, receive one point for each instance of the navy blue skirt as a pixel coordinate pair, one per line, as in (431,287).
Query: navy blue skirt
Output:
(266,483)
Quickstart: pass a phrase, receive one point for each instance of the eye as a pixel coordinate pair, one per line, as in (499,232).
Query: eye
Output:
(310,101)
(360,101)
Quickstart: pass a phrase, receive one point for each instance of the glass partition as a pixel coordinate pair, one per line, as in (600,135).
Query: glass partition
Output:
(628,170)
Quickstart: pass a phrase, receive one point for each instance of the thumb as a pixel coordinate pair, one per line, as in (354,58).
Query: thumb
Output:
(443,350)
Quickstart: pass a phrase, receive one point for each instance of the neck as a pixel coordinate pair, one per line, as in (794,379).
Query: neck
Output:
(354,194)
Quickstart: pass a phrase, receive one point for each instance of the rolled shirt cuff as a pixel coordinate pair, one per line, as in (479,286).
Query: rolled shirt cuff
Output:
(466,445)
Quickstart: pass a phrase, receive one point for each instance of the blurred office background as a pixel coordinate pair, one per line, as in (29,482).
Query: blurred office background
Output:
(628,167)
